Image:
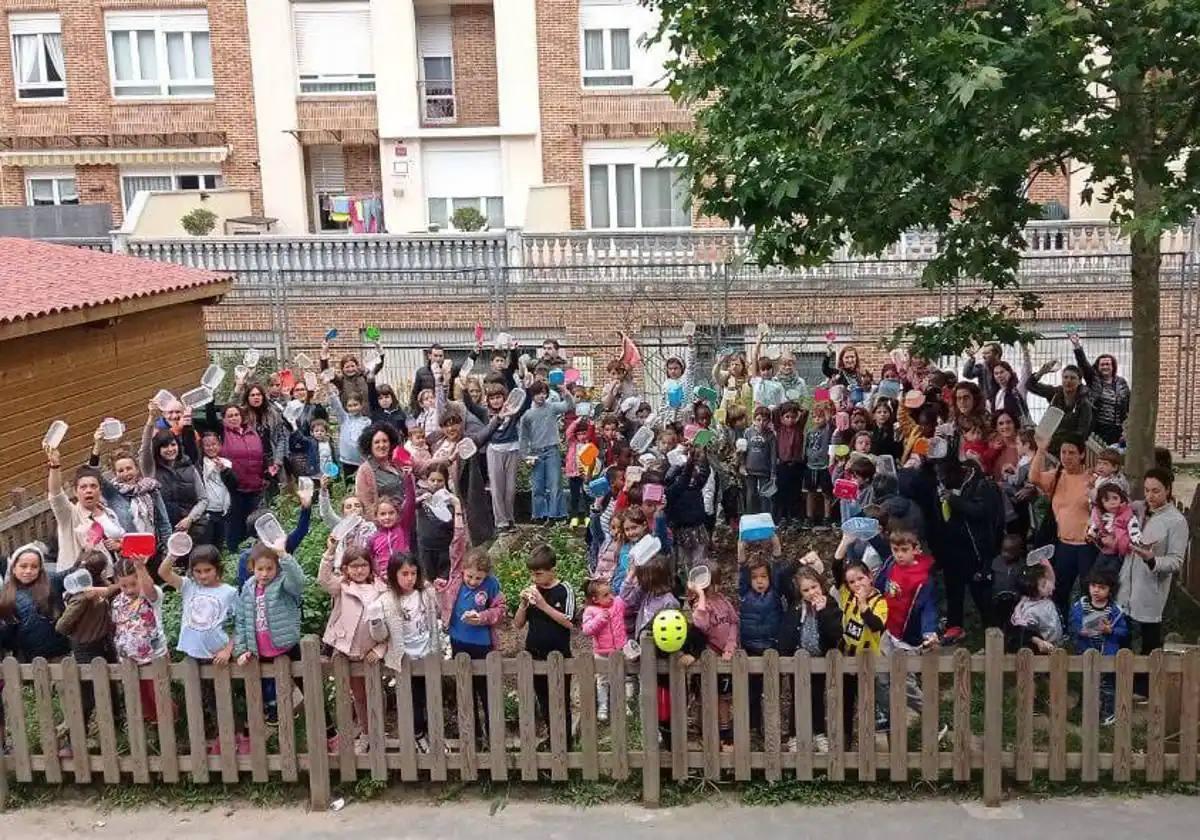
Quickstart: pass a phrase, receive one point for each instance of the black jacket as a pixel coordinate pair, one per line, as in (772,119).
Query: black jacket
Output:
(829,627)
(177,484)
(976,522)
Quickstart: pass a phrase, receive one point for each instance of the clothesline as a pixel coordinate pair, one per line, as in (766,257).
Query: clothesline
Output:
(363,213)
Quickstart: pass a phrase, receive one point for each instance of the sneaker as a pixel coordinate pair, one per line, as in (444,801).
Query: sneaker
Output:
(951,635)
(422,744)
(821,742)
(361,747)
(243,744)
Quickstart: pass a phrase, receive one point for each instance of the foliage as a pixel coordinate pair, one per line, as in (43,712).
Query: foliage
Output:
(828,123)
(468,219)
(199,222)
(568,548)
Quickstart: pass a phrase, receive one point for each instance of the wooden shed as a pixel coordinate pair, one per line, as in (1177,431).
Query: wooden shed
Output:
(86,335)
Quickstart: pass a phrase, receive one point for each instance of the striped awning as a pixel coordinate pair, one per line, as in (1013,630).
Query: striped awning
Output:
(86,157)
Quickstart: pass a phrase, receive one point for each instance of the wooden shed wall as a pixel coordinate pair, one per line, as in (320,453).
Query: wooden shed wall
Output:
(85,373)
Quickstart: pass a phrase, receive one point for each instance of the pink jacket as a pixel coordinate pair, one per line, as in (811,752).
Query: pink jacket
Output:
(719,621)
(346,631)
(447,590)
(606,626)
(1125,530)
(571,458)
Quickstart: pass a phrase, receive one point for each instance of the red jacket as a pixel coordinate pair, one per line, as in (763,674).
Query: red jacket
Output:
(244,449)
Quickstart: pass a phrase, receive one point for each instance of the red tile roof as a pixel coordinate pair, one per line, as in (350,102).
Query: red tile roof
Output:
(39,278)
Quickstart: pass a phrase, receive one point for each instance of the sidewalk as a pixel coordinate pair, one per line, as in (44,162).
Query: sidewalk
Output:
(1163,818)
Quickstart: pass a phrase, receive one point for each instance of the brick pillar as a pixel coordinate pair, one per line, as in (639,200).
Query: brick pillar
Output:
(560,94)
(100,185)
(473,29)
(12,186)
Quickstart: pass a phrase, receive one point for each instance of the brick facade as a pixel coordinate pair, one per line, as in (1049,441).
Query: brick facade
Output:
(473,30)
(560,98)
(362,169)
(1051,186)
(92,115)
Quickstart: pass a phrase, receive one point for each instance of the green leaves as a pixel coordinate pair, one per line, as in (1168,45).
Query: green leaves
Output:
(964,86)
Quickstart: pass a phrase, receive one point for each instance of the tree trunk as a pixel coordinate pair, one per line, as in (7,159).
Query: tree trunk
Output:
(1146,250)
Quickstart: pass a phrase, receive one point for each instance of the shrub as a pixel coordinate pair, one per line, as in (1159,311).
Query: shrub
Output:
(199,222)
(468,219)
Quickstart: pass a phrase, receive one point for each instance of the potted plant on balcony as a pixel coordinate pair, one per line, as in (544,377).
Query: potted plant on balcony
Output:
(468,220)
(199,222)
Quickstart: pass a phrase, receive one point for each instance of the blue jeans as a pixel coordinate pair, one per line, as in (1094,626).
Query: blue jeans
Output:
(1070,562)
(547,483)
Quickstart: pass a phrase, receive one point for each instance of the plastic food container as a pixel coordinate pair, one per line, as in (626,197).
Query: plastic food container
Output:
(138,545)
(372,333)
(292,411)
(677,457)
(468,365)
(647,459)
(707,394)
(1040,555)
(241,372)
(674,394)
(914,399)
(516,399)
(583,409)
(885,465)
(861,527)
(700,577)
(251,357)
(1049,423)
(645,550)
(370,362)
(269,530)
(112,429)
(331,334)
(163,399)
(302,361)
(571,376)
(642,439)
(557,376)
(688,329)
(329,374)
(741,444)
(845,489)
(891,388)
(213,376)
(587,454)
(77,581)
(598,487)
(652,492)
(179,544)
(331,470)
(347,524)
(197,397)
(466,449)
(630,404)
(310,380)
(304,484)
(821,394)
(503,341)
(756,527)
(633,475)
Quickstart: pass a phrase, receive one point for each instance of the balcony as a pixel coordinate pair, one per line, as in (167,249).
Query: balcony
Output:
(438,103)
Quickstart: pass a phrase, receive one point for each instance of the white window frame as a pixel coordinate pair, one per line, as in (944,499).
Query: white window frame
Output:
(54,176)
(39,25)
(481,203)
(611,155)
(332,84)
(598,77)
(189,23)
(174,173)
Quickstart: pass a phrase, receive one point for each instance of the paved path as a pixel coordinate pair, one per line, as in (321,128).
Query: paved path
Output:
(1161,818)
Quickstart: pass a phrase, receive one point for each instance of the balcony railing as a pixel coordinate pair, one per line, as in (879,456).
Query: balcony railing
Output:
(438,105)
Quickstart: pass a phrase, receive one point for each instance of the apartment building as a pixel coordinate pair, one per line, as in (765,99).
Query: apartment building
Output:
(99,101)
(353,116)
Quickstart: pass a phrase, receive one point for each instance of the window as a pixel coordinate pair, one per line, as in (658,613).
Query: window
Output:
(132,184)
(45,189)
(624,195)
(152,55)
(606,58)
(441,210)
(333,47)
(39,66)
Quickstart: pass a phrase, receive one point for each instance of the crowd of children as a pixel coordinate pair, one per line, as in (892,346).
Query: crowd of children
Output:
(936,483)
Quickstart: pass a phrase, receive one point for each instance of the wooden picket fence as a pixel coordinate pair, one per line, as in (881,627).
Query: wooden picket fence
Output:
(43,703)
